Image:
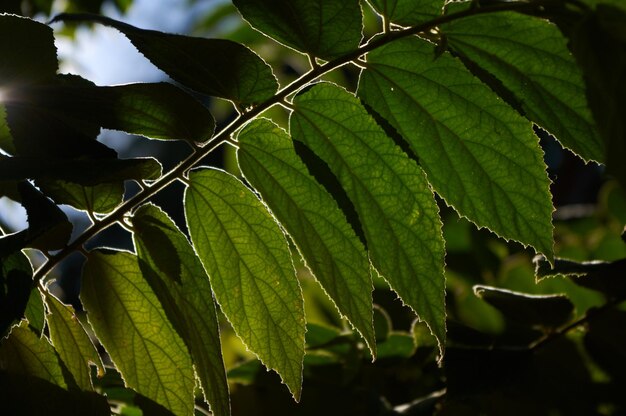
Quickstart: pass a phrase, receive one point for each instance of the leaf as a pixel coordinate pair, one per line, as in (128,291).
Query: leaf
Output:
(478,154)
(177,277)
(547,311)
(35,313)
(157,110)
(397,345)
(48,226)
(15,288)
(322,28)
(72,342)
(599,44)
(248,260)
(394,203)
(79,171)
(101,198)
(319,229)
(531,58)
(131,324)
(408,12)
(23,352)
(34,60)
(605,277)
(216,67)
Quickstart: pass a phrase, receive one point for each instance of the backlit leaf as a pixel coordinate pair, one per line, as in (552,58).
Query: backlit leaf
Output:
(15,288)
(158,110)
(35,313)
(33,60)
(478,153)
(531,58)
(394,202)
(217,67)
(100,198)
(329,246)
(79,171)
(177,277)
(323,28)
(249,264)
(72,342)
(408,12)
(131,324)
(548,311)
(23,352)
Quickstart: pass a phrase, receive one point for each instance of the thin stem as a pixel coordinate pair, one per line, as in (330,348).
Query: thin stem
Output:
(541,342)
(224,135)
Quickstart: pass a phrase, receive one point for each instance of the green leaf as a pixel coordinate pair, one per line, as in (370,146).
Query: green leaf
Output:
(247,258)
(157,110)
(131,324)
(546,311)
(408,12)
(531,58)
(323,28)
(79,171)
(217,67)
(35,313)
(312,218)
(478,153)
(393,200)
(27,50)
(15,288)
(178,279)
(72,342)
(23,352)
(101,198)
(397,345)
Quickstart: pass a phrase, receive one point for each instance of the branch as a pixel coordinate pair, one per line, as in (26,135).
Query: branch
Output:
(224,135)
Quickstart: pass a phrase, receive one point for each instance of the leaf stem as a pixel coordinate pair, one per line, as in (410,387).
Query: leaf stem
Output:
(223,136)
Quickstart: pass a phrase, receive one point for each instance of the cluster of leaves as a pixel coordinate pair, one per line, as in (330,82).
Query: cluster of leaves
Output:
(447,97)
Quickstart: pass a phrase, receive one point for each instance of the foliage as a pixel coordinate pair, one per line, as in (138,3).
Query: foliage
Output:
(405,162)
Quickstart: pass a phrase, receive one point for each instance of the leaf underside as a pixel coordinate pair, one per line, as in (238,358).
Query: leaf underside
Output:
(394,202)
(131,324)
(312,218)
(478,153)
(247,258)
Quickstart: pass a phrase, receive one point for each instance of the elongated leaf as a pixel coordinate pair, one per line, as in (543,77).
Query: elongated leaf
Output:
(72,342)
(34,60)
(389,191)
(158,110)
(15,287)
(408,12)
(549,311)
(131,324)
(100,198)
(531,58)
(312,218)
(181,284)
(323,28)
(479,155)
(23,352)
(79,171)
(217,67)
(248,260)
